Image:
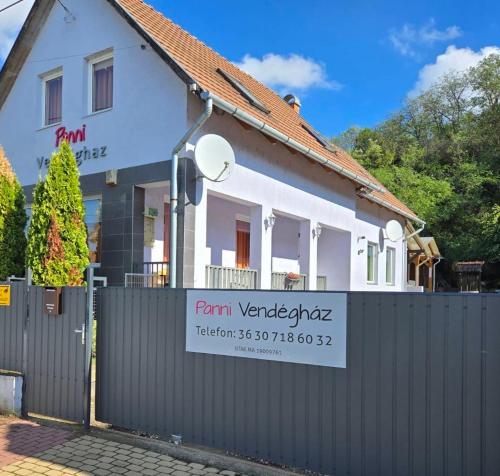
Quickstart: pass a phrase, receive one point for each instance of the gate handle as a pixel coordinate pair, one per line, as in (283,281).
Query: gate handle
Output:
(82,332)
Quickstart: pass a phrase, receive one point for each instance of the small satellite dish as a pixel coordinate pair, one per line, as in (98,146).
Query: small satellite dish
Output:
(214,157)
(393,230)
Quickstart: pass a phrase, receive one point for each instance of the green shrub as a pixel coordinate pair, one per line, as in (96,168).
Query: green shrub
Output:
(12,222)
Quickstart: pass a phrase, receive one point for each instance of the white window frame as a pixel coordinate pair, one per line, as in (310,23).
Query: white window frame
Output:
(45,78)
(91,62)
(390,251)
(375,262)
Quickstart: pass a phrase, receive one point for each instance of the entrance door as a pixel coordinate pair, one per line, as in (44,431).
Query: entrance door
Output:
(242,244)
(56,356)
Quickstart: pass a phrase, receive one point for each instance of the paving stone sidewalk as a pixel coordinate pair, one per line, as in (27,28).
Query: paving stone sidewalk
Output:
(27,448)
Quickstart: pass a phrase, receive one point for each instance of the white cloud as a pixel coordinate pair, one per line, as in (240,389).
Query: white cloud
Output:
(11,21)
(288,73)
(408,39)
(452,60)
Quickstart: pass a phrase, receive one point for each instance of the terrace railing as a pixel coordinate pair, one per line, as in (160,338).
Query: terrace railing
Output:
(282,281)
(321,283)
(221,277)
(149,274)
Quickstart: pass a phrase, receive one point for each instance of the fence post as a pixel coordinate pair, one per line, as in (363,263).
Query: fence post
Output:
(27,285)
(89,321)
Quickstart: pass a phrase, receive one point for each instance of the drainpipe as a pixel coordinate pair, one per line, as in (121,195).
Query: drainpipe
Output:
(405,251)
(174,192)
(434,274)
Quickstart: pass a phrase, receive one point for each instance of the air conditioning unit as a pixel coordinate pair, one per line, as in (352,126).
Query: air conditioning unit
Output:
(112,177)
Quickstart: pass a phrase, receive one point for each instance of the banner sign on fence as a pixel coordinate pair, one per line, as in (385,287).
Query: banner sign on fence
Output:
(5,295)
(298,327)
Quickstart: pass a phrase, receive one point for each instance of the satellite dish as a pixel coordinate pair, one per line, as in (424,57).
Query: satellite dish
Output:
(393,230)
(214,157)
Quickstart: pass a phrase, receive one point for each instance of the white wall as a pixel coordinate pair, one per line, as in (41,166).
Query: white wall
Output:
(334,258)
(285,245)
(155,198)
(221,231)
(269,176)
(370,220)
(149,113)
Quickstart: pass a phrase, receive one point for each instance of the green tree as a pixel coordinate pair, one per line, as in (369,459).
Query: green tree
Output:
(57,240)
(12,222)
(440,154)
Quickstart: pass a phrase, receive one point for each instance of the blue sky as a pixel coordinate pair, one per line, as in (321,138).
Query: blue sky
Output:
(351,62)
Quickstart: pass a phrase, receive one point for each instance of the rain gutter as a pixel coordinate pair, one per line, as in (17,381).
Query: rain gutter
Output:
(288,141)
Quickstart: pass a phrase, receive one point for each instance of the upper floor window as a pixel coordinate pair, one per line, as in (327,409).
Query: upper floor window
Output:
(372,263)
(52,98)
(101,73)
(390,266)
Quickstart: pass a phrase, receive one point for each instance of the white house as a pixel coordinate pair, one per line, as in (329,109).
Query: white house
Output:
(124,85)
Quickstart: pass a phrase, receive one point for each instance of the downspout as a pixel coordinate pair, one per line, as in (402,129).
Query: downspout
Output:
(174,192)
(405,254)
(434,273)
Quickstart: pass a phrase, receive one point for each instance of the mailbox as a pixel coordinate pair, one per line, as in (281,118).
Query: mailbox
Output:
(52,301)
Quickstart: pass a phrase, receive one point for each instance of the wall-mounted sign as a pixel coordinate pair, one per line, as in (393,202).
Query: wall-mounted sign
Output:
(78,135)
(151,212)
(83,154)
(305,328)
(5,295)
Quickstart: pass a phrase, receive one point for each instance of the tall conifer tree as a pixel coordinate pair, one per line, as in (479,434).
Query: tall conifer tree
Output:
(57,241)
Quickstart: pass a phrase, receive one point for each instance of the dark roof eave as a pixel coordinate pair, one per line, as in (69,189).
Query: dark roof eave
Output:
(22,46)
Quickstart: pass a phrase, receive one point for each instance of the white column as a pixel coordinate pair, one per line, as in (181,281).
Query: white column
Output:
(200,234)
(308,253)
(261,238)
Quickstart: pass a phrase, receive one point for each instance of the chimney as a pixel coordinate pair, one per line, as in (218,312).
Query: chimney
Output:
(293,101)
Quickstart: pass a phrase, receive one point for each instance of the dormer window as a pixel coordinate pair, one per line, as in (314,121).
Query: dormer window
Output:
(319,137)
(243,91)
(101,83)
(52,98)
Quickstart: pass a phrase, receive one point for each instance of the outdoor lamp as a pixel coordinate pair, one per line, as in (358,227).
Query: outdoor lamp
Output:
(270,221)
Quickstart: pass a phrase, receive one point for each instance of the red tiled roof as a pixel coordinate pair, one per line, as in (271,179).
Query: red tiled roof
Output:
(201,63)
(191,58)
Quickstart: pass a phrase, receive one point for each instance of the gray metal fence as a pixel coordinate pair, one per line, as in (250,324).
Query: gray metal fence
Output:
(11,328)
(420,394)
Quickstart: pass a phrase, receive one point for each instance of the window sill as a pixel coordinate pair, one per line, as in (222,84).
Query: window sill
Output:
(372,283)
(43,128)
(96,113)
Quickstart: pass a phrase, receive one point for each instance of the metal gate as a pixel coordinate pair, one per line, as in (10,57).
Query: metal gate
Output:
(55,356)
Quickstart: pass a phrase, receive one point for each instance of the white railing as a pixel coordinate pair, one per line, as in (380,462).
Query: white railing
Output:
(220,277)
(281,281)
(321,283)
